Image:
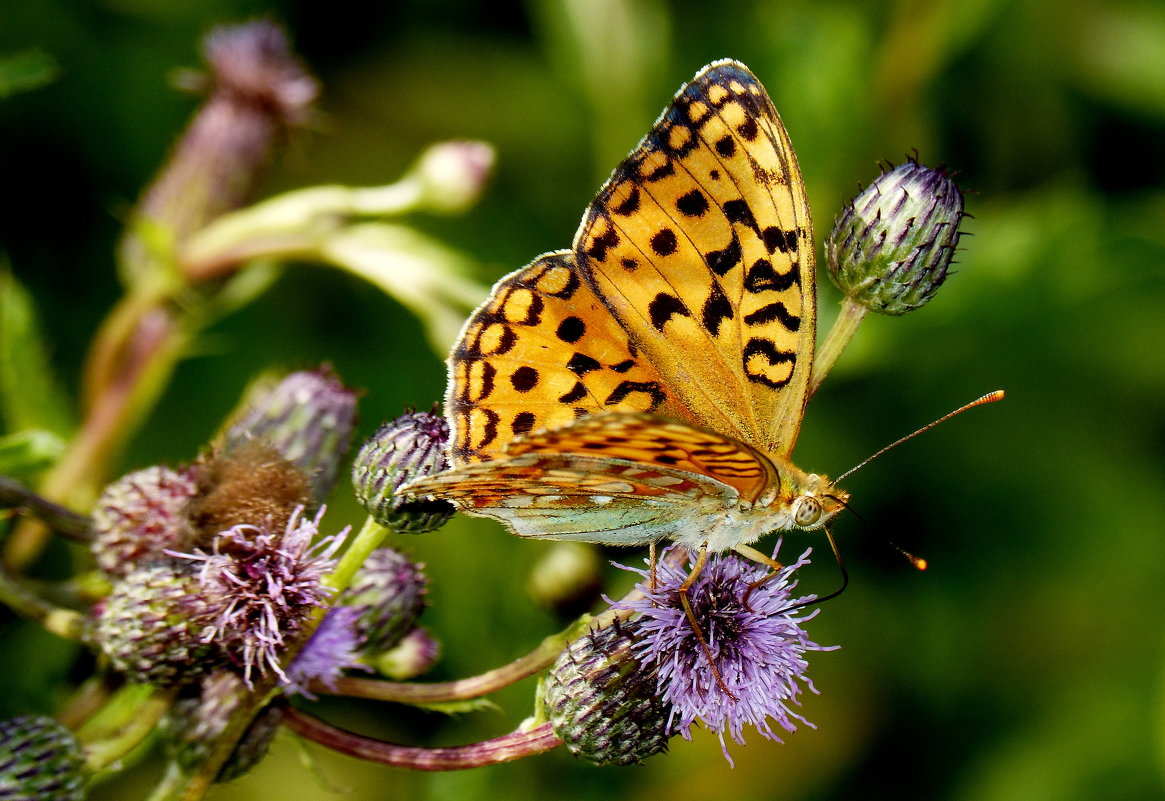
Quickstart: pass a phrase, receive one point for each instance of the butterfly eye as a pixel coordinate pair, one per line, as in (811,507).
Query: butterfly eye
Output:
(807,511)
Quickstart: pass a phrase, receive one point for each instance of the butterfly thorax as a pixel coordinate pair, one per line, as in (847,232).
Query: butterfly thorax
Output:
(793,500)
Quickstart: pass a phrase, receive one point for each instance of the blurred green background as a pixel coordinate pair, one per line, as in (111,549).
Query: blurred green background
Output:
(1025,664)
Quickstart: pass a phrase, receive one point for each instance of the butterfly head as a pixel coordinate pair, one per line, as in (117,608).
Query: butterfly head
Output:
(815,502)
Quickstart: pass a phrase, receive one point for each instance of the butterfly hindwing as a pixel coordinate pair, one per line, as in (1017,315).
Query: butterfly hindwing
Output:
(701,246)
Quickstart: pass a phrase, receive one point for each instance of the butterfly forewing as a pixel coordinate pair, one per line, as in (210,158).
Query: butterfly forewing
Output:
(541,352)
(701,247)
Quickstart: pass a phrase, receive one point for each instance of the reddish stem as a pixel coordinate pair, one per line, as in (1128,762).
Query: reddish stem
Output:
(506,748)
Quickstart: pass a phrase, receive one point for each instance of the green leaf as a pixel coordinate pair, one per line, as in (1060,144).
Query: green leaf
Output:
(30,396)
(29,452)
(27,70)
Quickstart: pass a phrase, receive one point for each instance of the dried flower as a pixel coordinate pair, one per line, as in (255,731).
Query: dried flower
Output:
(410,447)
(140,515)
(891,248)
(261,587)
(40,759)
(307,418)
(758,645)
(601,701)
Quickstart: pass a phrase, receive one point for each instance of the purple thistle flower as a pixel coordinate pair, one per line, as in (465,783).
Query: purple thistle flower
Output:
(261,588)
(758,646)
(333,648)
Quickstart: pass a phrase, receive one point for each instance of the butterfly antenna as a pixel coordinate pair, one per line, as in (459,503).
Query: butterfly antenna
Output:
(990,397)
(917,561)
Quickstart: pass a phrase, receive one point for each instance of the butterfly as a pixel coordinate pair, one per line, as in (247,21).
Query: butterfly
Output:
(648,384)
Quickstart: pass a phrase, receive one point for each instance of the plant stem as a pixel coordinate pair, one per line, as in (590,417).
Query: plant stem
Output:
(122,724)
(127,370)
(14,495)
(843,330)
(506,748)
(63,622)
(369,538)
(475,686)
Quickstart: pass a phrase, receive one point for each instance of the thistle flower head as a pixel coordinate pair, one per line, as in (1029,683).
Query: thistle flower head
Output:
(150,628)
(41,759)
(891,249)
(602,703)
(139,516)
(389,593)
(261,587)
(758,646)
(410,447)
(197,721)
(307,418)
(254,64)
(333,648)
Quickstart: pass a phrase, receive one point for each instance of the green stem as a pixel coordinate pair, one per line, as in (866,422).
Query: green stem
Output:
(843,330)
(506,748)
(63,622)
(122,724)
(475,686)
(369,538)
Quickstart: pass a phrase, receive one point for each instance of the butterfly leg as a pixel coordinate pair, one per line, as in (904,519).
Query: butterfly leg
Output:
(687,604)
(748,552)
(651,560)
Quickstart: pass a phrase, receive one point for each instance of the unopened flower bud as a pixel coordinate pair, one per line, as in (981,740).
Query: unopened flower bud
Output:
(891,248)
(414,655)
(567,578)
(149,626)
(195,724)
(602,704)
(307,418)
(389,589)
(408,448)
(40,759)
(255,90)
(453,174)
(140,515)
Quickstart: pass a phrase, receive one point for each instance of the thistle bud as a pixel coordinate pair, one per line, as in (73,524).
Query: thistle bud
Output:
(139,516)
(256,89)
(408,448)
(602,704)
(307,418)
(150,626)
(452,175)
(414,655)
(891,248)
(41,759)
(196,722)
(389,589)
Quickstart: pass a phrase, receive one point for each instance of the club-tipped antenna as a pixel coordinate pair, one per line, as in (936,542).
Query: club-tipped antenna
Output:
(990,397)
(917,561)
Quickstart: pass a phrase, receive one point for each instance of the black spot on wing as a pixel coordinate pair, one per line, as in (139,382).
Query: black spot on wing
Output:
(758,346)
(717,308)
(580,364)
(627,388)
(774,311)
(664,243)
(761,277)
(524,379)
(692,204)
(571,329)
(663,307)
